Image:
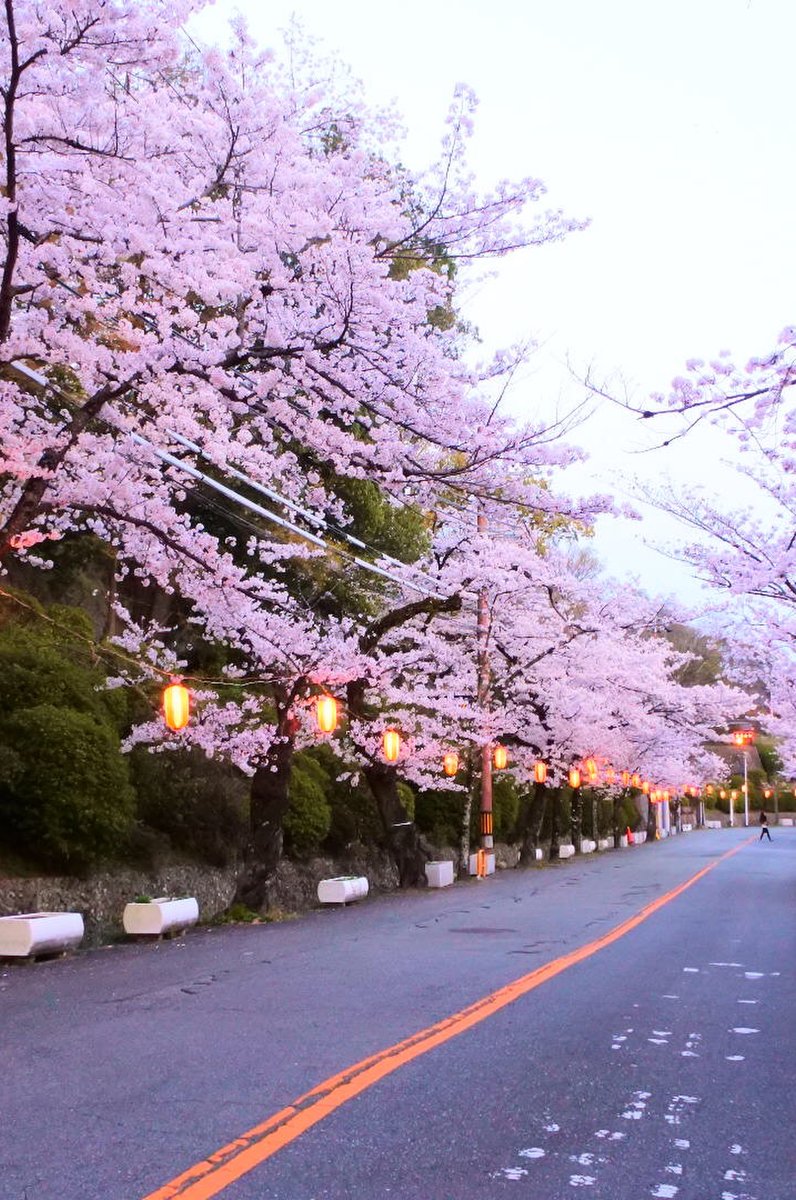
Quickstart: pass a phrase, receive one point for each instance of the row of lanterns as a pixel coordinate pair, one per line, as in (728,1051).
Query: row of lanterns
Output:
(177,711)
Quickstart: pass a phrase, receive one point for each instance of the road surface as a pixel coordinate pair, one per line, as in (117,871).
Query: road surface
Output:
(611,1028)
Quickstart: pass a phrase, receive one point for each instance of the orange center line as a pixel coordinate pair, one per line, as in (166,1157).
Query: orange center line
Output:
(212,1175)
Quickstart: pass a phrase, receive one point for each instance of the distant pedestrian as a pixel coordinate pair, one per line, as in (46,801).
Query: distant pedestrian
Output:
(764,827)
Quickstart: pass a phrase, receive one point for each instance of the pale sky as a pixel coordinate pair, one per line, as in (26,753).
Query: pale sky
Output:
(669,126)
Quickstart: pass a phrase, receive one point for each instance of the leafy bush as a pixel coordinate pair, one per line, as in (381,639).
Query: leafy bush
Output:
(65,798)
(439,816)
(309,817)
(505,807)
(68,802)
(198,804)
(353,818)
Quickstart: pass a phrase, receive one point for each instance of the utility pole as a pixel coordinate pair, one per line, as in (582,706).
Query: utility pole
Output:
(487,839)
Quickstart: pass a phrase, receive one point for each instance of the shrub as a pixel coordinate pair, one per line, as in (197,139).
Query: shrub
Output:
(68,802)
(198,804)
(439,816)
(309,816)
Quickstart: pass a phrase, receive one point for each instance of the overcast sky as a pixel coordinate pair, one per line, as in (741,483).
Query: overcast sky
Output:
(669,126)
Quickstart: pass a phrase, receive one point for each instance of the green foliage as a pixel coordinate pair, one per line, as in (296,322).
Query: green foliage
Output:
(69,802)
(309,817)
(627,814)
(65,797)
(439,816)
(238,913)
(353,817)
(197,804)
(769,758)
(505,807)
(706,664)
(407,797)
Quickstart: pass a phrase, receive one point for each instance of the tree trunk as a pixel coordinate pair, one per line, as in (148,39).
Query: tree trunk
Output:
(270,797)
(532,813)
(576,821)
(470,795)
(651,823)
(409,849)
(617,805)
(555,830)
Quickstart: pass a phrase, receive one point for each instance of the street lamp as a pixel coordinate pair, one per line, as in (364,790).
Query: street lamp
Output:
(743,738)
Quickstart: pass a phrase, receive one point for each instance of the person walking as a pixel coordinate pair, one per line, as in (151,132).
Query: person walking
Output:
(764,827)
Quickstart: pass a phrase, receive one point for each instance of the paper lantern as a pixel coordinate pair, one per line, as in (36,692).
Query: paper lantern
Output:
(591,768)
(326,713)
(500,757)
(574,777)
(636,780)
(625,777)
(176,706)
(450,762)
(610,775)
(540,772)
(391,740)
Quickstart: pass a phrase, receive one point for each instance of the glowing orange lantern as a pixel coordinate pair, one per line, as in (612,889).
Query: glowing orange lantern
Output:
(665,795)
(625,777)
(610,775)
(574,777)
(450,763)
(635,780)
(326,713)
(500,758)
(709,790)
(540,772)
(591,768)
(722,794)
(391,740)
(767,792)
(645,787)
(176,706)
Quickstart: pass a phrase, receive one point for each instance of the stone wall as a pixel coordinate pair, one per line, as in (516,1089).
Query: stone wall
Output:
(101,898)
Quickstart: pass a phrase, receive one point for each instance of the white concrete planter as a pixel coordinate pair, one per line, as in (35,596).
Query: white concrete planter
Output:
(439,874)
(605,844)
(687,828)
(640,838)
(587,846)
(623,840)
(163,915)
(30,934)
(490,863)
(566,851)
(342,889)
(786,821)
(713,824)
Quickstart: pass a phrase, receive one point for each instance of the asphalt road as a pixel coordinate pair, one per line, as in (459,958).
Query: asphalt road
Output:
(659,1062)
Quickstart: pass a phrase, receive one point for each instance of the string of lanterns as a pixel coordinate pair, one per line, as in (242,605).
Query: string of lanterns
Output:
(177,713)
